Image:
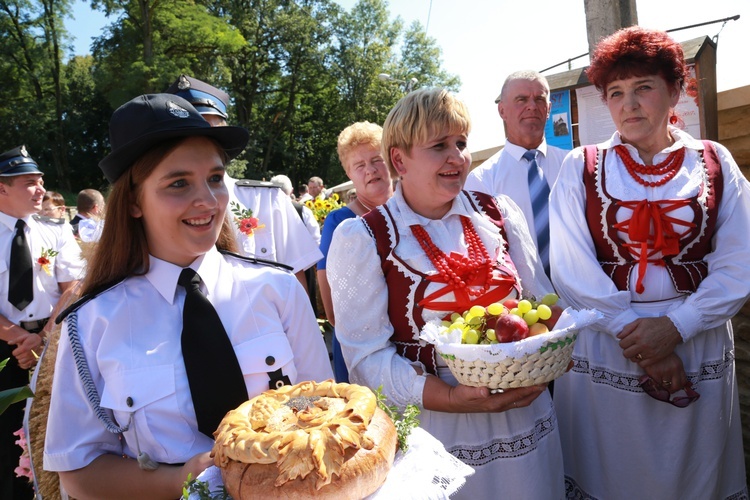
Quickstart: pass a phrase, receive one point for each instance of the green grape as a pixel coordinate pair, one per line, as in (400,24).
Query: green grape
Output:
(496,309)
(516,312)
(445,323)
(477,311)
(491,334)
(544,311)
(550,299)
(459,326)
(455,316)
(470,336)
(524,306)
(474,320)
(531,317)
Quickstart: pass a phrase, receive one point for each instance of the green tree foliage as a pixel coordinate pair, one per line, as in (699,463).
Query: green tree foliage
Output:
(32,38)
(87,116)
(153,41)
(298,71)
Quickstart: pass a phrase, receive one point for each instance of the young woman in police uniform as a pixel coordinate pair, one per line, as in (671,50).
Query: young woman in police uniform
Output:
(166,212)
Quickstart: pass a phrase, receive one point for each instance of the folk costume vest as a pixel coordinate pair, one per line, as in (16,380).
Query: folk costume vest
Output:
(653,238)
(406,293)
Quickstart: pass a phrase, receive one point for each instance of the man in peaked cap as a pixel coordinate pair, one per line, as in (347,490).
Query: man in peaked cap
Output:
(43,260)
(209,101)
(284,237)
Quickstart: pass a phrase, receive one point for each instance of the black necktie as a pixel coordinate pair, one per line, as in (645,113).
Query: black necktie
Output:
(216,381)
(21,275)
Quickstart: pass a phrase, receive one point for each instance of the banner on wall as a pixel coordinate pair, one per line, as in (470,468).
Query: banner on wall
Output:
(558,130)
(595,123)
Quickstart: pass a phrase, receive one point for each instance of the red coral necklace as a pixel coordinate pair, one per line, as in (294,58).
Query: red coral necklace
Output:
(452,267)
(668,168)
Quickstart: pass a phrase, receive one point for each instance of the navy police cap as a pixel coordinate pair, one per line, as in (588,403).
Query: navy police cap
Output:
(207,99)
(148,120)
(18,162)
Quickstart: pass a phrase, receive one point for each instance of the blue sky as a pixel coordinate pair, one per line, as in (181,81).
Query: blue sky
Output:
(485,40)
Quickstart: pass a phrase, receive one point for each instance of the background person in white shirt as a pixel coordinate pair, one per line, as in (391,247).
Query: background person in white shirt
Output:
(285,237)
(56,265)
(524,106)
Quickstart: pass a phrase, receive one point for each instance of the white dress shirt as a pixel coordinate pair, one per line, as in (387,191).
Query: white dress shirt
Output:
(506,172)
(66,266)
(130,335)
(285,238)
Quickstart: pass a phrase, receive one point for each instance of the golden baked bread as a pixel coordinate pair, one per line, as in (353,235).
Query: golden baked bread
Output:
(322,440)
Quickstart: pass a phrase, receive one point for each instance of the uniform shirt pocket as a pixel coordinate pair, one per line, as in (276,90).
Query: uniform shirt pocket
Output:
(149,395)
(266,359)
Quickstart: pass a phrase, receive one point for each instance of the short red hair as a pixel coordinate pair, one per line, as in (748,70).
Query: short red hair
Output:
(636,51)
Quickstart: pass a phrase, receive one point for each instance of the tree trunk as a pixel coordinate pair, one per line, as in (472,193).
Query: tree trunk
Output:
(604,17)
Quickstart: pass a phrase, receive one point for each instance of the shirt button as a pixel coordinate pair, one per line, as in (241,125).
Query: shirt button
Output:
(270,360)
(263,250)
(129,402)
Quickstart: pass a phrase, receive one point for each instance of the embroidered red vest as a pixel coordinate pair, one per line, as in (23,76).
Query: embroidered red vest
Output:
(407,319)
(687,268)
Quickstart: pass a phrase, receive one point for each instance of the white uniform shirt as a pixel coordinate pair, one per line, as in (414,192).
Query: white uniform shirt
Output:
(66,266)
(506,172)
(131,339)
(285,238)
(90,230)
(311,224)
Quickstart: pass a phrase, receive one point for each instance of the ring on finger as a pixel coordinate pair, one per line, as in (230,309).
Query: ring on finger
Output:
(639,357)
(666,383)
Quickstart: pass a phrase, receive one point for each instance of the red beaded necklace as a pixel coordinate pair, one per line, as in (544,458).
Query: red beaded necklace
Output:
(452,267)
(668,168)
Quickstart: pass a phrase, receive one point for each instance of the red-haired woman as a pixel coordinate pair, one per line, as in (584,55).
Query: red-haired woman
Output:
(657,223)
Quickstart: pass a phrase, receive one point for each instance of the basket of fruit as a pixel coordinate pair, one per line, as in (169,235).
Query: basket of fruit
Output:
(506,345)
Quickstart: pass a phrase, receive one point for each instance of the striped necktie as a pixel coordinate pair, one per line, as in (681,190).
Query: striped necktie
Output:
(21,273)
(539,196)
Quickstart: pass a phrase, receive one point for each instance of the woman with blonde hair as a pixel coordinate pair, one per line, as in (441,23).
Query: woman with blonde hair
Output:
(360,155)
(432,250)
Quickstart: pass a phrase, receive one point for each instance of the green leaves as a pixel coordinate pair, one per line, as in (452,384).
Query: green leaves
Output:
(202,490)
(10,396)
(404,422)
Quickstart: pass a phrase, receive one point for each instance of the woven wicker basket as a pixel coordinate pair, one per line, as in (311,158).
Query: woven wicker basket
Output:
(539,367)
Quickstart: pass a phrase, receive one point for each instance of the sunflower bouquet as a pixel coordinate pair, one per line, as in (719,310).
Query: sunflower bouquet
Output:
(322,207)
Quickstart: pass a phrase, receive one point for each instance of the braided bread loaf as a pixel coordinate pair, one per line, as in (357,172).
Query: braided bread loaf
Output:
(325,440)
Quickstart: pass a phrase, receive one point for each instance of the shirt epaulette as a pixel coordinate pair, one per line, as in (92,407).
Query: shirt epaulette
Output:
(86,298)
(49,220)
(252,183)
(256,260)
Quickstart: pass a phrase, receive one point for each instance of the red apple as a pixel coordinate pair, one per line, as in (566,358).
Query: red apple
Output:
(510,304)
(556,312)
(538,329)
(508,327)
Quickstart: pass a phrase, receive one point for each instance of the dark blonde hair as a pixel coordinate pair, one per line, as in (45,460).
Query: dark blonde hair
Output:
(358,134)
(420,115)
(123,250)
(54,197)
